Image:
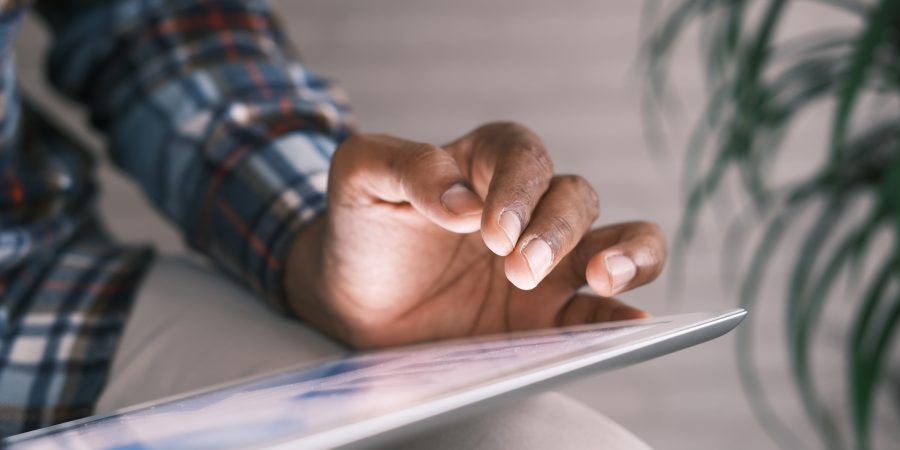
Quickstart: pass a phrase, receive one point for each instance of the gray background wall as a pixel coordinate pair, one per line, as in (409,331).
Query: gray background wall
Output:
(431,70)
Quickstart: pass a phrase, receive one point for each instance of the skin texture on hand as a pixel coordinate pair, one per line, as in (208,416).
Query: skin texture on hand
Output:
(424,243)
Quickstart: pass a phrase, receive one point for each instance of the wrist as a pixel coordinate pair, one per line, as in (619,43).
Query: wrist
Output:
(303,271)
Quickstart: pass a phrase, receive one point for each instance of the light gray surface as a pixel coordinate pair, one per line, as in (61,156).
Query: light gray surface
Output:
(431,70)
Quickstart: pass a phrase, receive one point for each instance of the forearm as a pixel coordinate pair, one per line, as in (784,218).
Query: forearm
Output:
(207,108)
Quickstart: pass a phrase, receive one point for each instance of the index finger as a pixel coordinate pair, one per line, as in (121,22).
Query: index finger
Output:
(511,168)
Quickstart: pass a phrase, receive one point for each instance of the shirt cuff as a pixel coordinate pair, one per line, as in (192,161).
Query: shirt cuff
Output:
(248,221)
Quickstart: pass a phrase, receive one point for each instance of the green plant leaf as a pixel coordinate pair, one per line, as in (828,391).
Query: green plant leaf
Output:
(749,294)
(748,94)
(804,310)
(660,43)
(656,51)
(873,365)
(855,7)
(858,363)
(723,36)
(864,364)
(874,34)
(758,87)
(733,245)
(713,113)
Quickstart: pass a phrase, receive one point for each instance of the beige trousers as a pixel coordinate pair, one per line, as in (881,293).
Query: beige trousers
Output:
(191,327)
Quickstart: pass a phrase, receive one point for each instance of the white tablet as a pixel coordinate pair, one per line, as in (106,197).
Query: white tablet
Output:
(377,397)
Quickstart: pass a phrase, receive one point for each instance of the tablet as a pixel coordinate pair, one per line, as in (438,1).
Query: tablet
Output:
(376,397)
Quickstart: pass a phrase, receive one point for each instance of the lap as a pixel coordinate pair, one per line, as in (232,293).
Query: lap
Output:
(192,328)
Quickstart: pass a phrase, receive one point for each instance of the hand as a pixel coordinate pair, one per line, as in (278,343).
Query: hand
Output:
(398,258)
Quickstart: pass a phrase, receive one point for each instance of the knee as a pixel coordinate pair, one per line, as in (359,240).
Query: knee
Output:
(549,420)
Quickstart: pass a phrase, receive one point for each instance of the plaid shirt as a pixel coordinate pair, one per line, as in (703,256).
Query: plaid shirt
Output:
(205,106)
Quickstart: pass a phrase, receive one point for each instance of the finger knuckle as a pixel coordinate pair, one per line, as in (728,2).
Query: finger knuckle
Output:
(426,157)
(345,147)
(345,155)
(559,231)
(580,184)
(581,188)
(355,138)
(505,126)
(535,154)
(349,149)
(356,142)
(519,140)
(425,149)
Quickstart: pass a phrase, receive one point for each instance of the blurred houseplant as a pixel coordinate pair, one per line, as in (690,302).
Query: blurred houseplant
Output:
(758,86)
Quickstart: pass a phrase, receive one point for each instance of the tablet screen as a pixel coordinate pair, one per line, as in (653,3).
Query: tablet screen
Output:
(306,401)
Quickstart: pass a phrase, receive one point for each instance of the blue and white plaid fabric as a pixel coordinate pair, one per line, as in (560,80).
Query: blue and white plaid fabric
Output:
(206,107)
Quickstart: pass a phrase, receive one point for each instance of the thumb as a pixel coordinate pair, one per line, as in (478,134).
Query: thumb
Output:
(373,168)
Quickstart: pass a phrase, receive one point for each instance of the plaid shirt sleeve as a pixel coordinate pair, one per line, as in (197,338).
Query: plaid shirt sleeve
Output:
(207,108)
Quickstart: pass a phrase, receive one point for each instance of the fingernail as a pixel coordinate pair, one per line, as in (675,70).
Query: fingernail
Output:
(511,226)
(461,201)
(539,257)
(621,270)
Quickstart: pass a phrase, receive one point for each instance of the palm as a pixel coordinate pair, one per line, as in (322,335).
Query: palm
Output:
(388,264)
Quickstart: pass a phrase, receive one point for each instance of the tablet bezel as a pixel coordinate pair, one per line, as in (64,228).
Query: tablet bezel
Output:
(668,334)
